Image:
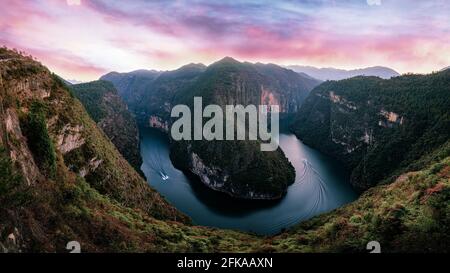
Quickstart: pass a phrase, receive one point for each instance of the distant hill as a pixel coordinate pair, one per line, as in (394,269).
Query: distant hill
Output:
(69,82)
(148,93)
(130,85)
(72,81)
(340,74)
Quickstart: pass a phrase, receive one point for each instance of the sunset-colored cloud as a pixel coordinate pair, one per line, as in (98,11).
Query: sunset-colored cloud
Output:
(85,38)
(73,2)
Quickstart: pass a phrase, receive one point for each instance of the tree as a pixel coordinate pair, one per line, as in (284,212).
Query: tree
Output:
(39,140)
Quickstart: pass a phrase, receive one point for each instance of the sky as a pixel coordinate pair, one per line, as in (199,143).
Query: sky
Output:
(84,39)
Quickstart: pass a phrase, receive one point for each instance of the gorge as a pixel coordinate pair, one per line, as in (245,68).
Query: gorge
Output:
(238,168)
(321,184)
(62,177)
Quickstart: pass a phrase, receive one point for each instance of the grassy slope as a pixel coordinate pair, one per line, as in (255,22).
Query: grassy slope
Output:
(411,214)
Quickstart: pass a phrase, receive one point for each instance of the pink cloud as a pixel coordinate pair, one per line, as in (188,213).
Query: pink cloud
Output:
(63,63)
(101,35)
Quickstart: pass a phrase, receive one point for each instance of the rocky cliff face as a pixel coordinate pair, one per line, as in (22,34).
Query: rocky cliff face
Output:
(231,82)
(236,168)
(18,149)
(112,209)
(225,82)
(85,174)
(239,168)
(284,87)
(377,127)
(150,94)
(155,121)
(111,114)
(218,179)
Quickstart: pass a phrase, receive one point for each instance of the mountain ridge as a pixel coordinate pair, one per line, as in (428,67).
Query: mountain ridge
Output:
(376,126)
(224,82)
(329,73)
(42,214)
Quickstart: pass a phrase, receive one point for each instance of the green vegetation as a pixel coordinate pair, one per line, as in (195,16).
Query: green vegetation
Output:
(12,192)
(265,174)
(19,67)
(355,130)
(149,93)
(243,169)
(412,214)
(39,140)
(112,209)
(92,95)
(107,109)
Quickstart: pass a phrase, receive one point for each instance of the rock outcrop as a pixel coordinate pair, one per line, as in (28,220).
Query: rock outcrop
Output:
(225,82)
(87,178)
(111,114)
(112,209)
(377,127)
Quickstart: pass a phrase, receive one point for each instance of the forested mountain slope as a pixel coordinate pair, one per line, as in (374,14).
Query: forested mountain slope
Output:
(378,128)
(111,114)
(248,173)
(51,194)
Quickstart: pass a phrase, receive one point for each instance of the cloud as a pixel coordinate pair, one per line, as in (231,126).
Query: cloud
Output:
(374,2)
(73,2)
(102,35)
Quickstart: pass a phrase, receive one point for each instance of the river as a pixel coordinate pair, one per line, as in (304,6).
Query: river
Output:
(321,185)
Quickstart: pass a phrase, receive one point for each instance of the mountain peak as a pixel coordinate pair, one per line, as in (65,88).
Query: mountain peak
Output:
(199,66)
(228,60)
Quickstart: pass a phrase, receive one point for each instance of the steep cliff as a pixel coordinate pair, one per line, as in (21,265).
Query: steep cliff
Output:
(112,210)
(131,86)
(231,82)
(238,168)
(111,114)
(59,170)
(378,128)
(150,94)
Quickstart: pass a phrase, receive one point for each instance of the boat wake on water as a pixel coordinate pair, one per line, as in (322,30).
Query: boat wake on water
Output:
(308,177)
(156,164)
(319,186)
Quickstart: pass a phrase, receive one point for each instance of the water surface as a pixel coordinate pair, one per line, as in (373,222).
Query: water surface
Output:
(321,185)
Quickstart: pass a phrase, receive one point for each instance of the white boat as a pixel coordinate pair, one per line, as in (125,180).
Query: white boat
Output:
(163,176)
